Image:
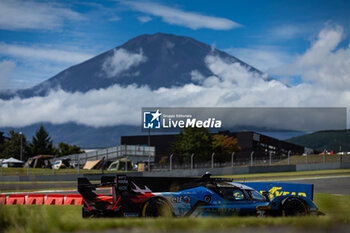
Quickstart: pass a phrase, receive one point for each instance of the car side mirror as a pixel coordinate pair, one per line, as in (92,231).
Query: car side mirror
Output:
(266,195)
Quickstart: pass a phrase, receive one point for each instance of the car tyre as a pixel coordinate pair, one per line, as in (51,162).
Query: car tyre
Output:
(294,207)
(157,207)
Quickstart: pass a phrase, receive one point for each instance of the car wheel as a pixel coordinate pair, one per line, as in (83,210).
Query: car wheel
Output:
(86,213)
(157,207)
(294,207)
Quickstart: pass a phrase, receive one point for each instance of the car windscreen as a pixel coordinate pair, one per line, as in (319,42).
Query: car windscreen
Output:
(255,195)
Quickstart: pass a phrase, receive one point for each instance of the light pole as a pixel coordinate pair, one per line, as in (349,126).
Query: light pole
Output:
(21,152)
(251,158)
(289,157)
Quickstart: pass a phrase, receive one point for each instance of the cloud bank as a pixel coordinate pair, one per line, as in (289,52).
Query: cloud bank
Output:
(230,86)
(324,64)
(179,17)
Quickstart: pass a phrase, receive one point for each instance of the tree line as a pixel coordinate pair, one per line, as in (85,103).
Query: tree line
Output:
(202,143)
(41,144)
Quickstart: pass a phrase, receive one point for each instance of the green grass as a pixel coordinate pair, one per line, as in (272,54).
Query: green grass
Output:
(298,159)
(68,219)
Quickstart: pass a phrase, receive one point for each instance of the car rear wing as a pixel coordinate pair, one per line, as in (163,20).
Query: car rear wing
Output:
(130,184)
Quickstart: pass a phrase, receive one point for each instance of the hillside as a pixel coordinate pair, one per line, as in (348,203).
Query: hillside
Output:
(329,140)
(157,60)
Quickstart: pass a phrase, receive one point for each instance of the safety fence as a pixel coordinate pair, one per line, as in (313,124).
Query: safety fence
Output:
(253,161)
(172,164)
(41,199)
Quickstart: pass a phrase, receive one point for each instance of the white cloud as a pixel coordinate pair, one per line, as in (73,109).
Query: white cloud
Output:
(324,63)
(289,31)
(232,85)
(144,19)
(6,68)
(175,16)
(40,53)
(197,77)
(122,60)
(20,14)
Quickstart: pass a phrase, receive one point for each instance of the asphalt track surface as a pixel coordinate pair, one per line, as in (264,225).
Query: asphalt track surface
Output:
(339,184)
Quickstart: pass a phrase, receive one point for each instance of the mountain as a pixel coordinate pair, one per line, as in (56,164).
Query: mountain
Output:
(157,60)
(163,60)
(329,140)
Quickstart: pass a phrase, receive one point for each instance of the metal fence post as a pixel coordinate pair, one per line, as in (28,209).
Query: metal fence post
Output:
(270,162)
(171,162)
(53,169)
(192,160)
(1,167)
(212,160)
(341,159)
(289,157)
(306,159)
(78,165)
(149,163)
(28,170)
(233,153)
(324,156)
(126,163)
(251,158)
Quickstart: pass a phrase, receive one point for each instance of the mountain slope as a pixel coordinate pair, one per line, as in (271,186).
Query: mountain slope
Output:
(157,60)
(329,140)
(161,60)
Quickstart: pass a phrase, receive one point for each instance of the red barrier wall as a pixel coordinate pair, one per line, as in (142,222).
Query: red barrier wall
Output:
(54,199)
(35,199)
(16,199)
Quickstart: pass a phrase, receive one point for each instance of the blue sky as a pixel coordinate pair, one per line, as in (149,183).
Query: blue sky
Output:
(38,39)
(304,44)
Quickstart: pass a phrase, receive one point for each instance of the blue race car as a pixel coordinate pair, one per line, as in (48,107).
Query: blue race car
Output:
(182,197)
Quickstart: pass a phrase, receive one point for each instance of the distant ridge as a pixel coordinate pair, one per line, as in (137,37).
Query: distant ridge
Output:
(321,140)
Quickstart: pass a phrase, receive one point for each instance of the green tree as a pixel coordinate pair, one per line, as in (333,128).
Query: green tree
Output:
(66,149)
(42,143)
(223,146)
(12,146)
(192,140)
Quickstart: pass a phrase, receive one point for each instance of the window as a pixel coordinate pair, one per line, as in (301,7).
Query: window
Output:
(256,195)
(231,194)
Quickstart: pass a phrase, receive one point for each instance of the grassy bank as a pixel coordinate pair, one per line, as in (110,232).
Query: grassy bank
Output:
(68,219)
